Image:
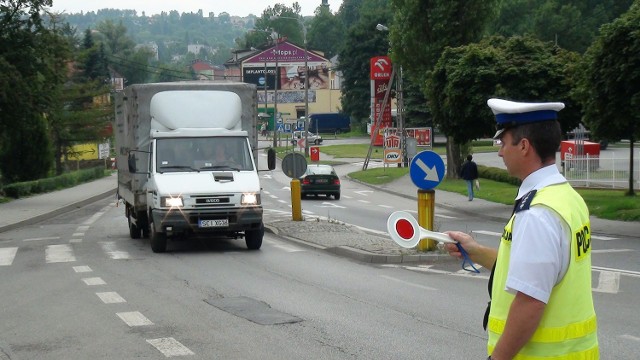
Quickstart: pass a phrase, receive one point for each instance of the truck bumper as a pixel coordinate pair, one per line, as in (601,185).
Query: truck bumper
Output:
(181,221)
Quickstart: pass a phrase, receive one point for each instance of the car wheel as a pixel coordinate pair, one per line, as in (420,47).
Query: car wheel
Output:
(253,238)
(317,142)
(336,196)
(158,240)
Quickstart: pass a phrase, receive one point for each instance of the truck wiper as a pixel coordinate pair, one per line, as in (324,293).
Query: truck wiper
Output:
(219,167)
(178,167)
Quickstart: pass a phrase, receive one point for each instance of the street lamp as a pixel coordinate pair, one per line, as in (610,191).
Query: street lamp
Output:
(306,82)
(399,105)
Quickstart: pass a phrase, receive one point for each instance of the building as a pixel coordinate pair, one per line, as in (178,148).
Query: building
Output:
(279,69)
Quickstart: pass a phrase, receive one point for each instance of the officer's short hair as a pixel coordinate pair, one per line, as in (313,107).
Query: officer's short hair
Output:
(545,137)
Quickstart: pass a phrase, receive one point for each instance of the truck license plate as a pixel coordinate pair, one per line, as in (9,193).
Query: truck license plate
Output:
(213,223)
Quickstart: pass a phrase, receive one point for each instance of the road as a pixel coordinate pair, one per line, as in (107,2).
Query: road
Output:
(77,287)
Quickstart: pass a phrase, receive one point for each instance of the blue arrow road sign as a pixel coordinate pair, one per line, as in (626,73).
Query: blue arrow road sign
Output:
(426,170)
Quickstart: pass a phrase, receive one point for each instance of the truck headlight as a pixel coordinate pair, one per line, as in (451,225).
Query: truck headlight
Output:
(168,201)
(250,199)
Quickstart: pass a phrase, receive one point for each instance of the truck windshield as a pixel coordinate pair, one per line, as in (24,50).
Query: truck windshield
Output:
(203,154)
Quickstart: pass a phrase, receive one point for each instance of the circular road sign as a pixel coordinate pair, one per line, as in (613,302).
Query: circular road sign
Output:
(294,165)
(426,170)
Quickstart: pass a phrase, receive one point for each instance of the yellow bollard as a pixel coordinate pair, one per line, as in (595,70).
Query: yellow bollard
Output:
(426,209)
(296,203)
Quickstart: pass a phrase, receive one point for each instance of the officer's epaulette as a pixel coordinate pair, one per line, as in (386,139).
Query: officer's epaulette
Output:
(525,201)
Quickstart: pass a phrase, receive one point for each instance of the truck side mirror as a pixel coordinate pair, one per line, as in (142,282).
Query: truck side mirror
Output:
(271,158)
(132,163)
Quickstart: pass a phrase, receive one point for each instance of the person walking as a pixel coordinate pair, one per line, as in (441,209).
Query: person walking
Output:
(540,285)
(469,172)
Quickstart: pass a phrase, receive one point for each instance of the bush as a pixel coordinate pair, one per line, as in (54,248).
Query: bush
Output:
(26,188)
(497,174)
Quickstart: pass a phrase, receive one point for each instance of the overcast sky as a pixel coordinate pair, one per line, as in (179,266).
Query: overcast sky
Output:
(233,7)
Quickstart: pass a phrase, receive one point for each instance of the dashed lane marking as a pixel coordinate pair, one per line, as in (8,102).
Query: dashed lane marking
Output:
(134,318)
(82,269)
(608,282)
(94,281)
(43,238)
(408,283)
(111,297)
(7,255)
(59,253)
(170,347)
(111,250)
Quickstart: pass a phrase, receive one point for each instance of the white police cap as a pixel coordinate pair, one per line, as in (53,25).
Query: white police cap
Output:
(510,113)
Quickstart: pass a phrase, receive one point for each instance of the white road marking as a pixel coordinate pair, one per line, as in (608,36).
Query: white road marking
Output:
(97,215)
(110,297)
(273,196)
(608,282)
(94,281)
(630,337)
(43,238)
(327,204)
(622,272)
(484,232)
(363,192)
(82,228)
(78,234)
(281,246)
(408,283)
(606,251)
(346,196)
(282,201)
(134,318)
(444,216)
(267,176)
(170,347)
(7,255)
(364,201)
(82,269)
(59,253)
(603,238)
(109,247)
(385,206)
(75,240)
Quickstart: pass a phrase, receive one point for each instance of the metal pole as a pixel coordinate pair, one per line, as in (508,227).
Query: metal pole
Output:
(275,98)
(306,95)
(400,106)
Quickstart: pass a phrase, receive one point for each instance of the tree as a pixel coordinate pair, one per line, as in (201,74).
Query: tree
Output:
(609,88)
(571,24)
(28,64)
(325,32)
(517,68)
(420,32)
(361,43)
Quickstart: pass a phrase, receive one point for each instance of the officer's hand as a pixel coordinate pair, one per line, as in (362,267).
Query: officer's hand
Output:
(465,240)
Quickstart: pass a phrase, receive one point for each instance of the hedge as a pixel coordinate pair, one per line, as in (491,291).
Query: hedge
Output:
(26,188)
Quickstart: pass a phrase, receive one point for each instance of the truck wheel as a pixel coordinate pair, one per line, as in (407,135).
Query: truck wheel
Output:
(134,231)
(253,238)
(158,241)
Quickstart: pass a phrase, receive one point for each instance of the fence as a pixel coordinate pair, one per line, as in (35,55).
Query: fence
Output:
(606,171)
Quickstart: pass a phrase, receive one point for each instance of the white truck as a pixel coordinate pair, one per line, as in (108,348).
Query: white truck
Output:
(168,178)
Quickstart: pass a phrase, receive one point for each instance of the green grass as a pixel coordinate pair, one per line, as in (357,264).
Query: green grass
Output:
(604,204)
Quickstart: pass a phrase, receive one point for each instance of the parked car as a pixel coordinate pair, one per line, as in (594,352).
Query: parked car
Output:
(313,138)
(320,180)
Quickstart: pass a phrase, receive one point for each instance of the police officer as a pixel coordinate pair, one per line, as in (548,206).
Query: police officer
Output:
(541,304)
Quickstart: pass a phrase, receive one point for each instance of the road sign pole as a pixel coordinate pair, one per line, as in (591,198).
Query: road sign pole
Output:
(296,203)
(426,210)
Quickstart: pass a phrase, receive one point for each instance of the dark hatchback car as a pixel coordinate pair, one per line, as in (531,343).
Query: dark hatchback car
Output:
(320,180)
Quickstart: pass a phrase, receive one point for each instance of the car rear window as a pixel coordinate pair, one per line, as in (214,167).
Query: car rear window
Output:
(319,170)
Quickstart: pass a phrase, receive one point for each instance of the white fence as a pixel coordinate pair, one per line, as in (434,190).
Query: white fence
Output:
(604,171)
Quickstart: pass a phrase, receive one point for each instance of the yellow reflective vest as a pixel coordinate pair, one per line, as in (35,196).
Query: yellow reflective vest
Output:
(568,328)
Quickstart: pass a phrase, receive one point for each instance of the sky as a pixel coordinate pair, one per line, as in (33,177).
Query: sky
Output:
(150,7)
